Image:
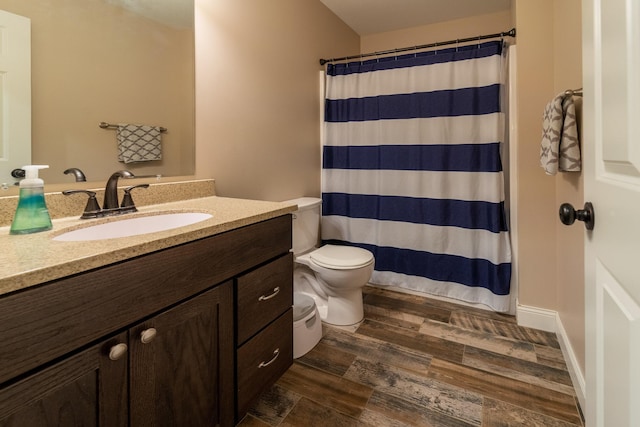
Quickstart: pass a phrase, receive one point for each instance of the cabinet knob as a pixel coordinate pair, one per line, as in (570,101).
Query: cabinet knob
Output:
(148,335)
(117,351)
(276,353)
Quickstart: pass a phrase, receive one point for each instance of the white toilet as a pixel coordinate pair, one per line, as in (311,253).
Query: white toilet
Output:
(332,275)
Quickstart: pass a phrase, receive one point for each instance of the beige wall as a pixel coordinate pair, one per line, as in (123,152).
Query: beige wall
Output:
(93,62)
(569,186)
(551,254)
(258,98)
(451,30)
(537,214)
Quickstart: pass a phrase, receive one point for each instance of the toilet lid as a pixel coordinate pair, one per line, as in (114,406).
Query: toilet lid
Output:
(341,257)
(302,305)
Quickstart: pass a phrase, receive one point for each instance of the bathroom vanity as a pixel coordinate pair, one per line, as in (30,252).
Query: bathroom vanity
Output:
(185,327)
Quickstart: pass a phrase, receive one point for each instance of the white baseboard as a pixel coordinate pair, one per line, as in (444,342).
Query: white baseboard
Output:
(577,377)
(549,320)
(537,318)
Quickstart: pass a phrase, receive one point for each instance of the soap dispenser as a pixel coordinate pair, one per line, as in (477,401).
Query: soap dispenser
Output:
(32,214)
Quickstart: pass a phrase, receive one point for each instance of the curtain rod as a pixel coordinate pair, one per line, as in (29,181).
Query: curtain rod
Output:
(510,33)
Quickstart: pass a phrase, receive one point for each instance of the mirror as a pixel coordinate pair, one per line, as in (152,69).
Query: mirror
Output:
(114,61)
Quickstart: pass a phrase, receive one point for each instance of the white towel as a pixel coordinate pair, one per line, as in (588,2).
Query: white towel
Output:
(138,143)
(560,148)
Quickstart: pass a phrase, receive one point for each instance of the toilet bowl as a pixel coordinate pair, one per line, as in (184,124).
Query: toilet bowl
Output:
(333,275)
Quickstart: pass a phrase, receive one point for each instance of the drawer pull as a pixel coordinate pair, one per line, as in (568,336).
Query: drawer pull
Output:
(275,292)
(148,335)
(276,353)
(117,351)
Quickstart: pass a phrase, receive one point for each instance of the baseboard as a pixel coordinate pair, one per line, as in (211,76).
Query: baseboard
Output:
(537,318)
(549,320)
(577,377)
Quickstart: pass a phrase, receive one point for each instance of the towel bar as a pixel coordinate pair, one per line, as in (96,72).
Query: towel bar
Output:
(573,92)
(105,125)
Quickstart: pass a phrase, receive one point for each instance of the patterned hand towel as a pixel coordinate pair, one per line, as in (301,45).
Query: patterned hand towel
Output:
(138,143)
(560,148)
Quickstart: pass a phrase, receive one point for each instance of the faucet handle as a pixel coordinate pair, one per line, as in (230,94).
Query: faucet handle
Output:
(127,200)
(92,209)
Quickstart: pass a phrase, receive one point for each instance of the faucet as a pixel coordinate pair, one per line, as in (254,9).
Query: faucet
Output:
(80,177)
(110,205)
(111,190)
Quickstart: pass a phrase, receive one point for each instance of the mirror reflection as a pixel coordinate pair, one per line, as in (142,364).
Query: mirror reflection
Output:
(113,61)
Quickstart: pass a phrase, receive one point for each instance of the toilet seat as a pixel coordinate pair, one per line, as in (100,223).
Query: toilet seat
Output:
(341,257)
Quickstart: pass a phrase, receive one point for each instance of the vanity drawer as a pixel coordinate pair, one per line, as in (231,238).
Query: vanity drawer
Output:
(263,295)
(263,359)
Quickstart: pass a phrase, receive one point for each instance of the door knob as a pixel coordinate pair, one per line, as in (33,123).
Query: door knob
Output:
(568,215)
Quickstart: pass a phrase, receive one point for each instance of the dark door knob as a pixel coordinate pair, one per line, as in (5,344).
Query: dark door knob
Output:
(568,215)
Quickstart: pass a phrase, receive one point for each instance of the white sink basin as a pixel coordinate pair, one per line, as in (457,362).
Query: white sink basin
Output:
(127,227)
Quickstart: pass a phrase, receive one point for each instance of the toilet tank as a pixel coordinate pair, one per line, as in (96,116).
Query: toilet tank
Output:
(306,224)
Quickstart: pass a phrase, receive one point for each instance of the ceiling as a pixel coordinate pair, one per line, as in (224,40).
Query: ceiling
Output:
(377,16)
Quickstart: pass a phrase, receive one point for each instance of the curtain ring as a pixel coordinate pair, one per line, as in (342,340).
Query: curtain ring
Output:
(457,40)
(478,42)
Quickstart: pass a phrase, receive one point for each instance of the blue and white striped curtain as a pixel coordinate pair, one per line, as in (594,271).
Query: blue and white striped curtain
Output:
(412,170)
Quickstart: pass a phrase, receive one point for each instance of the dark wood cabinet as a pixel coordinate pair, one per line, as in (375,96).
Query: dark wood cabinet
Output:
(263,359)
(176,363)
(86,389)
(150,341)
(173,364)
(264,329)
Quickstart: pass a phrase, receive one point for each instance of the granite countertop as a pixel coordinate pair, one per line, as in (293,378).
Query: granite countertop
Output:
(31,259)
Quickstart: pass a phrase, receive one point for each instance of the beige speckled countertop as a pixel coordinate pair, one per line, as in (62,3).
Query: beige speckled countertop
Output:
(31,259)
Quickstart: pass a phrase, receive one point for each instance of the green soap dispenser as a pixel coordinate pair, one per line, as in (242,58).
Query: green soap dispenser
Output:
(32,214)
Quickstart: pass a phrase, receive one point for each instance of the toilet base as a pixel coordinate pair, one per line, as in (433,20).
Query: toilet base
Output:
(343,308)
(338,311)
(346,310)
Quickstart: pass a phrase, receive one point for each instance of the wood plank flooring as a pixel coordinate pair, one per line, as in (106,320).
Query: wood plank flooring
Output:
(417,361)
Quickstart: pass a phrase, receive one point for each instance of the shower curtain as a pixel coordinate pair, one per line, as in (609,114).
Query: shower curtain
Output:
(412,171)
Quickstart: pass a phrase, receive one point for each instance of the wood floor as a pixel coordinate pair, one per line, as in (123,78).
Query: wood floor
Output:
(421,362)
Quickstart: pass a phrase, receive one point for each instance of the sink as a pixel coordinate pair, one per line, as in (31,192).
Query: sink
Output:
(127,227)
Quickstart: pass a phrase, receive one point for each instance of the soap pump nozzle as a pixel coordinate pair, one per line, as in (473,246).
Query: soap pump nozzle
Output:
(31,176)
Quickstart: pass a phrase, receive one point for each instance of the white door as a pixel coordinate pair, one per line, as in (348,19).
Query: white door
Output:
(611,77)
(15,94)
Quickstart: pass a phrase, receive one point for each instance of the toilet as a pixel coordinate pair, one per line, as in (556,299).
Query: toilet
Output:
(333,275)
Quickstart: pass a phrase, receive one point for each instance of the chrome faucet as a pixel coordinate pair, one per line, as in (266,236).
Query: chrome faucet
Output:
(111,190)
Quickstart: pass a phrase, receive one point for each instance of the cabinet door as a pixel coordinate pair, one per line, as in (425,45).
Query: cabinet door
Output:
(86,389)
(181,364)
